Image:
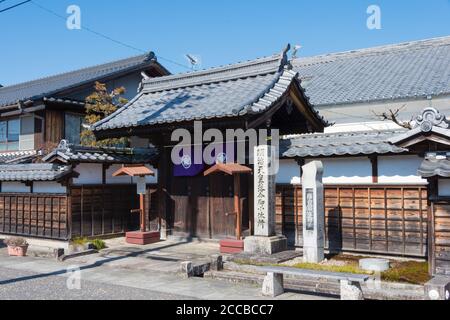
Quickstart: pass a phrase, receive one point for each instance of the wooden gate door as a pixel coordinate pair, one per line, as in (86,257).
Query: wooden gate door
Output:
(190,197)
(203,207)
(223,220)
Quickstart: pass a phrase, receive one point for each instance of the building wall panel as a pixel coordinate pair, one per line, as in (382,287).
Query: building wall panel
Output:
(367,219)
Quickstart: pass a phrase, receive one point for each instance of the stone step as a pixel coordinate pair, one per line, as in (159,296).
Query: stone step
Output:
(387,291)
(304,285)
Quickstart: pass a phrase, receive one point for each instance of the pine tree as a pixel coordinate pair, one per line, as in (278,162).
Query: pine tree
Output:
(99,105)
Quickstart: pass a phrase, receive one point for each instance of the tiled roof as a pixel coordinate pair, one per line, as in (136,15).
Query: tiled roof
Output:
(68,153)
(437,164)
(16,157)
(427,124)
(249,87)
(46,87)
(33,172)
(340,144)
(406,70)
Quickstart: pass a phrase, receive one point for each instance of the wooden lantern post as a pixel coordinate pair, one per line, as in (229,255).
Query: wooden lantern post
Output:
(141,211)
(142,237)
(237,205)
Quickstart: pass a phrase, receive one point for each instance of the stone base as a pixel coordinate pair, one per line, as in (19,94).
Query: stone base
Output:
(438,288)
(231,246)
(374,265)
(265,245)
(256,259)
(351,291)
(313,254)
(142,238)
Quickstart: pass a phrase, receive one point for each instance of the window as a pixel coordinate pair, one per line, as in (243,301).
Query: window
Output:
(9,135)
(73,128)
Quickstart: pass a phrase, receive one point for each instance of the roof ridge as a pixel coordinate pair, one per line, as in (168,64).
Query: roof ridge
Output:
(344,133)
(30,83)
(243,69)
(381,49)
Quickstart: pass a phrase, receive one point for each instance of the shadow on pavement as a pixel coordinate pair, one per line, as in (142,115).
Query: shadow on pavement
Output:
(91,266)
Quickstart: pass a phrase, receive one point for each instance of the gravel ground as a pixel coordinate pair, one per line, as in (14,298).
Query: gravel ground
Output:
(21,285)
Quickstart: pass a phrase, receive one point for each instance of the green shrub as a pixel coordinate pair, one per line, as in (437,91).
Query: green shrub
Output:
(80,241)
(411,272)
(354,269)
(99,244)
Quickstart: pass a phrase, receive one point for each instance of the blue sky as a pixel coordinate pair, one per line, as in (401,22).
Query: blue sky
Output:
(35,43)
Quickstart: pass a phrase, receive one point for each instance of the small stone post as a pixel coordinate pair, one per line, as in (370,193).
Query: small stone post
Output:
(313,213)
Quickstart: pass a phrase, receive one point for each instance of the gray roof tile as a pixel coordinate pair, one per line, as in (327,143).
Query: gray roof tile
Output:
(49,86)
(435,168)
(33,172)
(435,165)
(244,88)
(406,70)
(68,153)
(340,144)
(16,157)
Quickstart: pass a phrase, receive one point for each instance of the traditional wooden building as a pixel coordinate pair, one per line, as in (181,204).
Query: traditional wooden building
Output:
(376,200)
(43,112)
(430,138)
(260,94)
(70,192)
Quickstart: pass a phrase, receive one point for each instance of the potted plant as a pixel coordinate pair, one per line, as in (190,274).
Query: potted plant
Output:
(17,246)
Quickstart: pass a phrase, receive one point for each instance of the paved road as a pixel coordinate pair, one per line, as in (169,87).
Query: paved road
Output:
(122,274)
(24,285)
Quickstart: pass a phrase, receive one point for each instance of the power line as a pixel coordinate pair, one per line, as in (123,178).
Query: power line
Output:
(357,117)
(14,6)
(99,34)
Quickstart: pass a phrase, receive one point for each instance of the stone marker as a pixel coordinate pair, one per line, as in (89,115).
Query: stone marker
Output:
(313,213)
(187,269)
(264,192)
(265,241)
(273,285)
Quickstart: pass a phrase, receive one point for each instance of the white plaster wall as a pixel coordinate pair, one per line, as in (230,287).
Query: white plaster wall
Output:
(289,172)
(15,187)
(130,83)
(444,187)
(49,187)
(347,170)
(90,173)
(399,170)
(361,117)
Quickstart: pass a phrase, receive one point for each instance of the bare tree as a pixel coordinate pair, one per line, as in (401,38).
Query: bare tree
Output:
(392,115)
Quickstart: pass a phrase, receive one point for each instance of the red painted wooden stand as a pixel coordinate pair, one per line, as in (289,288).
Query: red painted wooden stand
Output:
(233,246)
(141,237)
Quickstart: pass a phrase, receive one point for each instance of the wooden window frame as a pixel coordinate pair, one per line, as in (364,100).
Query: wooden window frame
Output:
(7,142)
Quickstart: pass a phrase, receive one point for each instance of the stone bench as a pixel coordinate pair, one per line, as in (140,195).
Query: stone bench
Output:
(350,283)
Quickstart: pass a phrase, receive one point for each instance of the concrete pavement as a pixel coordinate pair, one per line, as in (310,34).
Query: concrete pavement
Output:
(115,276)
(24,285)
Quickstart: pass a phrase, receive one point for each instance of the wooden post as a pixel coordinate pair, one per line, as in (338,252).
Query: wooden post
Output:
(142,211)
(237,205)
(374,163)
